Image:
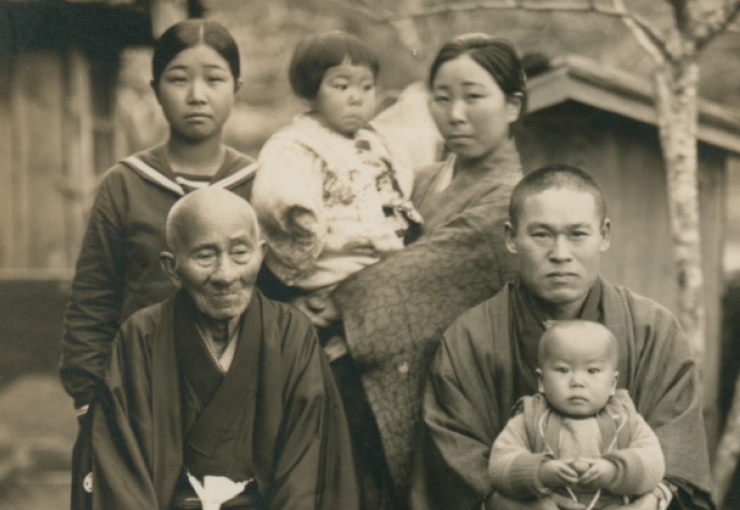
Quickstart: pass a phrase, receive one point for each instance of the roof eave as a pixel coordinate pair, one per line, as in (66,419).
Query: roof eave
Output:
(580,79)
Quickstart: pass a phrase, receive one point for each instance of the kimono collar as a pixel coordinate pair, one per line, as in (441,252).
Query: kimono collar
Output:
(449,191)
(505,157)
(527,325)
(216,390)
(339,151)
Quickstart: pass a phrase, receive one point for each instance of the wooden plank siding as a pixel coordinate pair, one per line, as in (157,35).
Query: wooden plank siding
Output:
(624,156)
(46,171)
(77,181)
(7,230)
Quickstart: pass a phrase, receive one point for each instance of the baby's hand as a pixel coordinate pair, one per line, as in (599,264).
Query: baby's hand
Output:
(556,473)
(599,475)
(319,306)
(580,465)
(301,221)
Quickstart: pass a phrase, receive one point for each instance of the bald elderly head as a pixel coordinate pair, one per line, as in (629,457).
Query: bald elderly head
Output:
(215,251)
(204,206)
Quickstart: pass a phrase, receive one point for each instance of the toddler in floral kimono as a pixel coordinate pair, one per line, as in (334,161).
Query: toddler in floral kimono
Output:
(579,438)
(331,193)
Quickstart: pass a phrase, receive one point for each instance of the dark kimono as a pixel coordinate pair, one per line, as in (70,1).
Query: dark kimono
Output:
(274,418)
(487,360)
(394,311)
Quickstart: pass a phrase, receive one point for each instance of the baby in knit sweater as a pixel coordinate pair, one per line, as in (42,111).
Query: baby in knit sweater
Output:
(579,438)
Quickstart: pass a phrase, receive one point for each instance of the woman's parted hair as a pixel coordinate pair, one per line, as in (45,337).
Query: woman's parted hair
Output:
(497,56)
(317,53)
(188,34)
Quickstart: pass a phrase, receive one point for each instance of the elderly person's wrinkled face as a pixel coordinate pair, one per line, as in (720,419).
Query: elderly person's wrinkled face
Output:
(216,251)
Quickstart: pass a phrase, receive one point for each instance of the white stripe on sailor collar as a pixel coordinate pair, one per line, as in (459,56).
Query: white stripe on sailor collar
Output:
(153,175)
(238,176)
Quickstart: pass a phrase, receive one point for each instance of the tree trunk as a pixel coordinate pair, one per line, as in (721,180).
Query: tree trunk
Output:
(728,450)
(676,86)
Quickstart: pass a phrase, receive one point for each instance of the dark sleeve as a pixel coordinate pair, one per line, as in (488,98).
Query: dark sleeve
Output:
(314,468)
(93,313)
(451,468)
(667,393)
(121,423)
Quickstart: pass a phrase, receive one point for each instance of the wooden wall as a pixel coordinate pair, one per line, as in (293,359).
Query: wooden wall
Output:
(48,130)
(624,156)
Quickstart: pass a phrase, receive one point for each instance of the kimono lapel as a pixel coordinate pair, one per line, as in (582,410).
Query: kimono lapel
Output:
(166,457)
(192,353)
(235,398)
(527,326)
(619,320)
(549,428)
(614,426)
(437,207)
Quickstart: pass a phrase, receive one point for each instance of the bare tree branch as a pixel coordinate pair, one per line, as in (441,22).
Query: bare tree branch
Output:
(649,35)
(720,23)
(645,34)
(682,14)
(377,13)
(372,12)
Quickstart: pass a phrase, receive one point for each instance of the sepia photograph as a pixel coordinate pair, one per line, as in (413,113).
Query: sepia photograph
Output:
(337,254)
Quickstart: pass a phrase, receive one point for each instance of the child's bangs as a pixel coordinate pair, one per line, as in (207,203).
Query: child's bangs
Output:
(348,51)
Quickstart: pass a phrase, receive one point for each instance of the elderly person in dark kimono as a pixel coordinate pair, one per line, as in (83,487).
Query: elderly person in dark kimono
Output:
(487,359)
(218,397)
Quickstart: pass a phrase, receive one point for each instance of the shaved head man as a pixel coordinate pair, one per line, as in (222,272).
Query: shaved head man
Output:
(219,397)
(559,231)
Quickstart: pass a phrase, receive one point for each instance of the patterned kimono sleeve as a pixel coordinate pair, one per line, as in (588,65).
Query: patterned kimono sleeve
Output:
(287,197)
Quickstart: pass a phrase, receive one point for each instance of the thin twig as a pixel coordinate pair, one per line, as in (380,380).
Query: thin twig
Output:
(380,15)
(377,13)
(645,34)
(730,11)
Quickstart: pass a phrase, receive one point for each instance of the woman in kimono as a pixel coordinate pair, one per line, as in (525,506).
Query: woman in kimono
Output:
(394,311)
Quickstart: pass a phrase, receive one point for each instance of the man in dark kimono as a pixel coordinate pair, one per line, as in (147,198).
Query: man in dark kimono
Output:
(487,358)
(218,397)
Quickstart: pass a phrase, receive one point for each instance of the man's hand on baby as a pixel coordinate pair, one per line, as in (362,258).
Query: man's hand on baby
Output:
(556,473)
